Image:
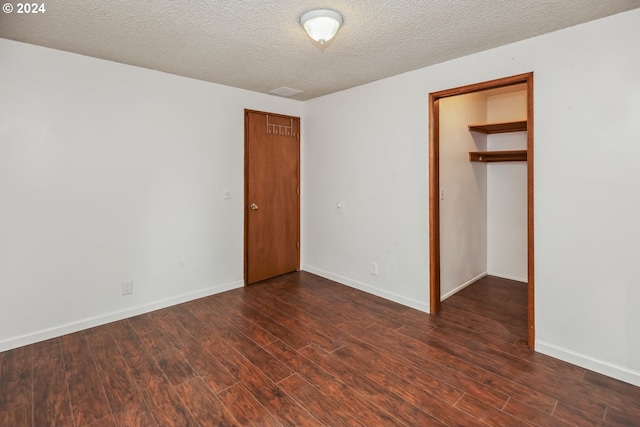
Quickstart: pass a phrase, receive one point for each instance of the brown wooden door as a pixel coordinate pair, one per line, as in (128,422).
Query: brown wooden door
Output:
(272,207)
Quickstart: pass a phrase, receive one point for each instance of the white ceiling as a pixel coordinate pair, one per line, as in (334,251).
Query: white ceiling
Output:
(260,46)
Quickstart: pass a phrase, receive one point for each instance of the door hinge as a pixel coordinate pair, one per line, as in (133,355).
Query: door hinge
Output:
(298,191)
(298,245)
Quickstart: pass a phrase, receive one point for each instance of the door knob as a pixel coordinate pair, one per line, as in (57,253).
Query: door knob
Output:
(253,206)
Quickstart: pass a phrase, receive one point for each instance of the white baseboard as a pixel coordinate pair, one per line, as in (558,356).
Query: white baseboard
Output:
(409,302)
(103,319)
(601,366)
(506,276)
(461,287)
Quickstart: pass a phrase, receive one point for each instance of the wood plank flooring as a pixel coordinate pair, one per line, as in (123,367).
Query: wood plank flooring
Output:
(299,350)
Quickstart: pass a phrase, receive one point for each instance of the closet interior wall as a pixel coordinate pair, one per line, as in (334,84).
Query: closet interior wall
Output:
(507,190)
(483,206)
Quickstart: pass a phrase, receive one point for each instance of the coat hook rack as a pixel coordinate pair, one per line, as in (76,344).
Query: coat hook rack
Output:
(283,130)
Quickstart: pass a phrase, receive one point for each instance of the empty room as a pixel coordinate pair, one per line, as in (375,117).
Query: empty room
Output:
(338,213)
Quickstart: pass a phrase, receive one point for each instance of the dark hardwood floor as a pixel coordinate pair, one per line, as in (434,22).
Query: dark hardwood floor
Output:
(300,350)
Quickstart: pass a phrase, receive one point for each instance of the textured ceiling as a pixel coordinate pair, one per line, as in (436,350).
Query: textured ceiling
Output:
(260,46)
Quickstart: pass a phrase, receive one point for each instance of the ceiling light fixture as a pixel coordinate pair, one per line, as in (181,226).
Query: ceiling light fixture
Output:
(321,24)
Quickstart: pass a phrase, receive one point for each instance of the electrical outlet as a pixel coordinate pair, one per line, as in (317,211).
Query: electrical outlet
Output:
(127,288)
(374,268)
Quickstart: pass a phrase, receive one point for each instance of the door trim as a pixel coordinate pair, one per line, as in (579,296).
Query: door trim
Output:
(246,188)
(434,185)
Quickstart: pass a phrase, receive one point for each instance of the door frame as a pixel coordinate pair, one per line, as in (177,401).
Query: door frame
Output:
(246,188)
(434,186)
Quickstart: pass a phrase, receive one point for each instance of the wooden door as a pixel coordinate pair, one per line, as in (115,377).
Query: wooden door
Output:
(272,188)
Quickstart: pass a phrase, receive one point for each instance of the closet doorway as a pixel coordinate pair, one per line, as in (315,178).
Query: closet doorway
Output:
(438,166)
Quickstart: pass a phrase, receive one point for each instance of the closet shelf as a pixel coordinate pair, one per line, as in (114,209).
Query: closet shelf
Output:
(490,128)
(498,156)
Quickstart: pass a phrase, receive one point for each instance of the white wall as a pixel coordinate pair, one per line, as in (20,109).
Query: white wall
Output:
(463,209)
(368,147)
(361,151)
(507,191)
(110,173)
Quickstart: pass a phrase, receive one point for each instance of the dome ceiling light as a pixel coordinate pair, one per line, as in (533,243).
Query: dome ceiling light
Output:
(321,24)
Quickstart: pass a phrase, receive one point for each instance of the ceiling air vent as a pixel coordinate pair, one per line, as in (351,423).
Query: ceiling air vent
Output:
(285,91)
